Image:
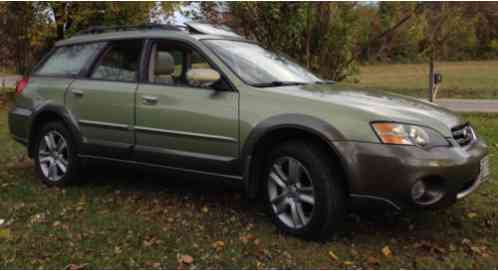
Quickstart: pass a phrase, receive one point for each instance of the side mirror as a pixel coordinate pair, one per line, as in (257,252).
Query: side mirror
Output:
(202,77)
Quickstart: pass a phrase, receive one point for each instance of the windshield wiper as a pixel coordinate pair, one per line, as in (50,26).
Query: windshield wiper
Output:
(278,84)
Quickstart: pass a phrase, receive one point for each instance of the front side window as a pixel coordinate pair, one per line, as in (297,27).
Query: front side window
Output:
(119,62)
(171,61)
(258,66)
(69,60)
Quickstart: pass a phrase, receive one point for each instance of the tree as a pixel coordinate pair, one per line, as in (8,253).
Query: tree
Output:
(328,38)
(441,18)
(22,26)
(29,29)
(317,34)
(71,17)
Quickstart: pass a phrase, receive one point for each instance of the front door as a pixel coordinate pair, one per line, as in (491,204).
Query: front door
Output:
(180,123)
(104,102)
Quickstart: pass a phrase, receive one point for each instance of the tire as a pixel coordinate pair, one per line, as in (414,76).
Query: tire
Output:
(55,166)
(311,206)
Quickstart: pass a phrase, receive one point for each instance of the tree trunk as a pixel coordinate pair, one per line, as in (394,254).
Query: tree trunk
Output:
(308,36)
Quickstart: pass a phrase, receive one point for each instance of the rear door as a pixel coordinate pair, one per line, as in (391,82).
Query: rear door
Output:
(103,102)
(179,123)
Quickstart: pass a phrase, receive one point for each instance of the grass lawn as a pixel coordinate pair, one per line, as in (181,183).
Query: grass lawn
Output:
(126,219)
(471,79)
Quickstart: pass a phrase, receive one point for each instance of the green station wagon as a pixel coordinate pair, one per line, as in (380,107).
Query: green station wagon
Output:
(202,100)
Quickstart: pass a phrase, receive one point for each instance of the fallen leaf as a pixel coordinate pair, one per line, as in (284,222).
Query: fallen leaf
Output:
(354,252)
(187,259)
(205,209)
(333,256)
(373,261)
(218,245)
(466,242)
(387,251)
(348,263)
(481,251)
(475,249)
(246,238)
(38,218)
(72,266)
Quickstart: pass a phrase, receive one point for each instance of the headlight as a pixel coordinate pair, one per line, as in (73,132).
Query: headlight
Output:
(405,134)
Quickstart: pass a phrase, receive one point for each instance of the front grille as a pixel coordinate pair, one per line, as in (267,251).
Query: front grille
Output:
(463,134)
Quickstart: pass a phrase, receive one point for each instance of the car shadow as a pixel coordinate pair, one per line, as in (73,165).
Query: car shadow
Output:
(229,196)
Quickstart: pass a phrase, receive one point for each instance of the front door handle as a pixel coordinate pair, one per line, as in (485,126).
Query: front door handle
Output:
(77,92)
(149,100)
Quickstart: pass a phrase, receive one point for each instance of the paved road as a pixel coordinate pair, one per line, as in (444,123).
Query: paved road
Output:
(469,105)
(458,105)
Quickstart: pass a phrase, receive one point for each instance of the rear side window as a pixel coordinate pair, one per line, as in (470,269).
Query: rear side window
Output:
(119,62)
(69,60)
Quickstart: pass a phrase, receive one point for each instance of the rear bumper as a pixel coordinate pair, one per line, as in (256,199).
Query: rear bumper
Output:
(19,123)
(384,175)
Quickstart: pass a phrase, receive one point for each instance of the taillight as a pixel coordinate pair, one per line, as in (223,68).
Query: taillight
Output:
(21,85)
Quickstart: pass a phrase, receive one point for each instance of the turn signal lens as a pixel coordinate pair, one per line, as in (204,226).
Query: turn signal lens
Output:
(392,133)
(402,134)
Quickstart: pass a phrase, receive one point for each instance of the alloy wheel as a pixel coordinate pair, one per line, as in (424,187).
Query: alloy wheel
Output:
(53,156)
(291,192)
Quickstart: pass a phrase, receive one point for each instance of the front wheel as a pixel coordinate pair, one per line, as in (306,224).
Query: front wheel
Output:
(56,162)
(304,191)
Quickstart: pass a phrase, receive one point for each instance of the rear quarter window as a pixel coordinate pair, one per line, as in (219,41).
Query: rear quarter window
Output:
(69,60)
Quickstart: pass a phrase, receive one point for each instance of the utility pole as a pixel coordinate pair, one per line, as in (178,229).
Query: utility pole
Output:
(431,75)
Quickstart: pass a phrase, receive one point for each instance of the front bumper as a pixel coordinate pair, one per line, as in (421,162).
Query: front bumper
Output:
(385,174)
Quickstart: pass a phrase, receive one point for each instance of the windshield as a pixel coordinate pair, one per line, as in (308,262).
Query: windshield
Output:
(259,67)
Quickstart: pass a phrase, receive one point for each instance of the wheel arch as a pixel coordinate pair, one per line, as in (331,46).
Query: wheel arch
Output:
(47,113)
(281,128)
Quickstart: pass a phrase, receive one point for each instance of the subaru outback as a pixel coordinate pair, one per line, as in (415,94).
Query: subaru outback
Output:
(202,100)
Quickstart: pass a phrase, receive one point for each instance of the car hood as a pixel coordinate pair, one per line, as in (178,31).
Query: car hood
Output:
(378,105)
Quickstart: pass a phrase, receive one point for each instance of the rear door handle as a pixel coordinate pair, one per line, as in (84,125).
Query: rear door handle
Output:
(77,92)
(150,100)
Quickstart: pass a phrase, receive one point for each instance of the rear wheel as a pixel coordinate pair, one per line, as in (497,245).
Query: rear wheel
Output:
(56,162)
(304,191)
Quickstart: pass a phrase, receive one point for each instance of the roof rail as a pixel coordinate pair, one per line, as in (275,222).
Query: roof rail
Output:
(104,29)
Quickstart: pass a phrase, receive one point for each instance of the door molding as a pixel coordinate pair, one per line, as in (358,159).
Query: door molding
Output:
(104,124)
(182,133)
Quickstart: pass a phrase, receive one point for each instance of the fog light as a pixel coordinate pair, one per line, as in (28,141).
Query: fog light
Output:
(418,190)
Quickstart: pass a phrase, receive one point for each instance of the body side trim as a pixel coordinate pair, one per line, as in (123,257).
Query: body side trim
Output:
(104,124)
(234,177)
(184,153)
(182,133)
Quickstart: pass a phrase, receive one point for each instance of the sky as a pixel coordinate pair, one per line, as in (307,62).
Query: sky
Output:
(178,17)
